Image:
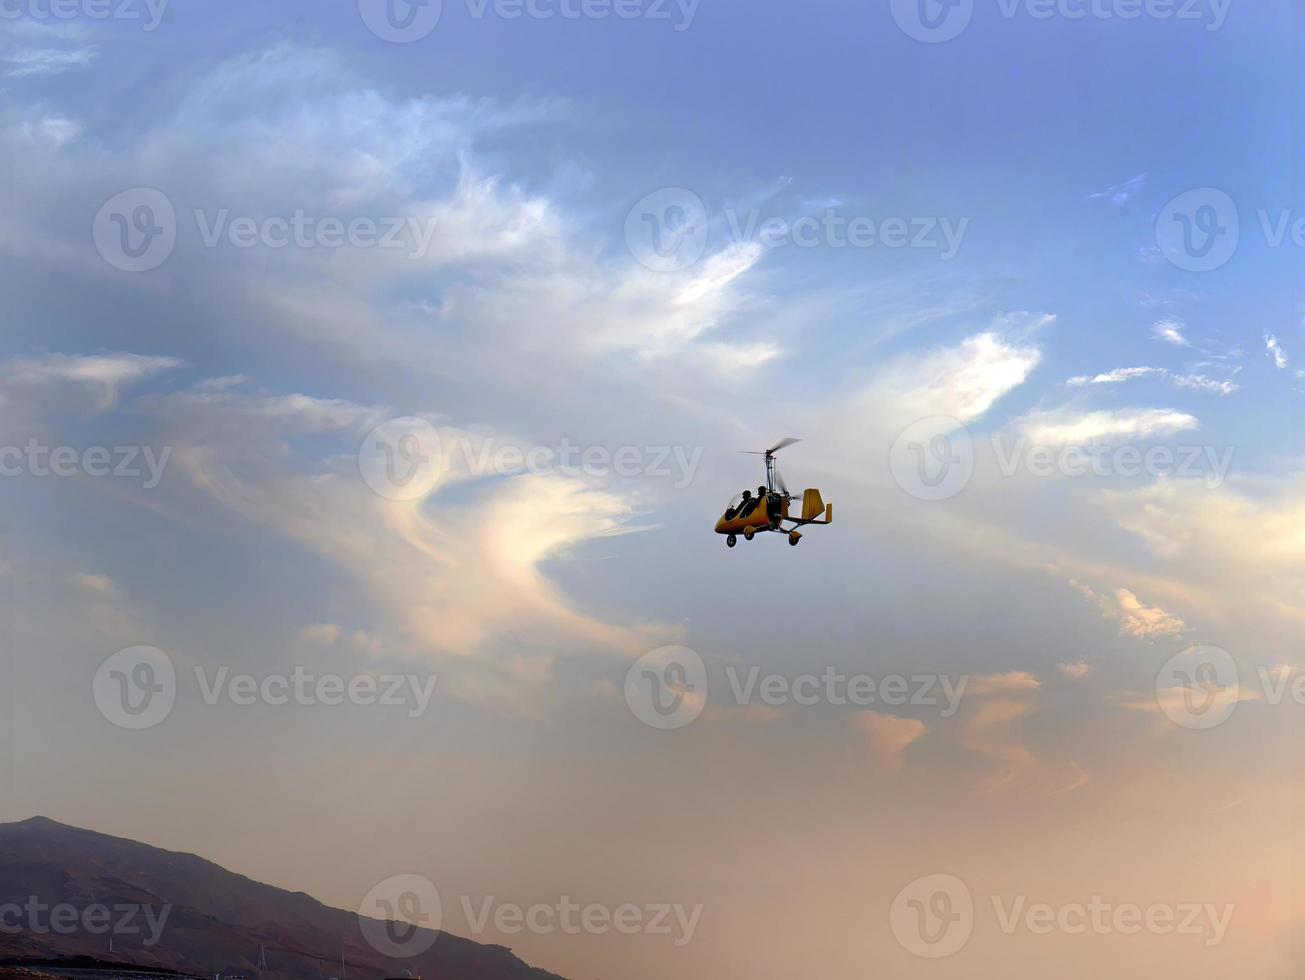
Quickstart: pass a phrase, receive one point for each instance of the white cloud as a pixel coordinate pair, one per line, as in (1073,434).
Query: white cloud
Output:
(1116,376)
(1120,194)
(44,62)
(1170,330)
(25,381)
(962,382)
(1119,375)
(1064,427)
(448,577)
(1078,670)
(1136,619)
(1275,350)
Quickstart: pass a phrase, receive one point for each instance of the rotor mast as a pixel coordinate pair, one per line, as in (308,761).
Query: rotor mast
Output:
(769,454)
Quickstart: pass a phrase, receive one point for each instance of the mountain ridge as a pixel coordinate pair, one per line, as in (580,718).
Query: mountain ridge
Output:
(216,921)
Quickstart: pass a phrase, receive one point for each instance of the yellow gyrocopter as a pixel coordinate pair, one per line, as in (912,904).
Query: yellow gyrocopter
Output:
(768,509)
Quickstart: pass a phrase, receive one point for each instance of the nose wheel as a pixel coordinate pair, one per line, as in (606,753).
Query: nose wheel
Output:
(731,541)
(794,538)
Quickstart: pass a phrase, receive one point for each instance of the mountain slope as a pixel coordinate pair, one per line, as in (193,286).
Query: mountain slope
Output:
(216,920)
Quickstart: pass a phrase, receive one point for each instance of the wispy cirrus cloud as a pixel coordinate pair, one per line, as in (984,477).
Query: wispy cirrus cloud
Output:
(1170,330)
(1119,375)
(45,62)
(1068,427)
(1119,195)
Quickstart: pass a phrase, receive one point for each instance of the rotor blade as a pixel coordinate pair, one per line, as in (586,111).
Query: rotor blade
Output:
(781,444)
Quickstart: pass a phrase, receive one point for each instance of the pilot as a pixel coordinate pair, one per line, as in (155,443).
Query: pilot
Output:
(746,503)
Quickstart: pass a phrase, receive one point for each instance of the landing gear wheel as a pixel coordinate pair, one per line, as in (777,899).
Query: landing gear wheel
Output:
(731,541)
(748,532)
(794,538)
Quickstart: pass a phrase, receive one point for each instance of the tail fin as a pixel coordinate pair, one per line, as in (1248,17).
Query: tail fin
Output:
(812,505)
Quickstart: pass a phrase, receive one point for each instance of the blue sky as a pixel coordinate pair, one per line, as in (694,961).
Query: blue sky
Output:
(512,157)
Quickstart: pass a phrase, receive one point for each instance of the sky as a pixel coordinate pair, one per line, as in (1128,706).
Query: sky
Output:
(417,347)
